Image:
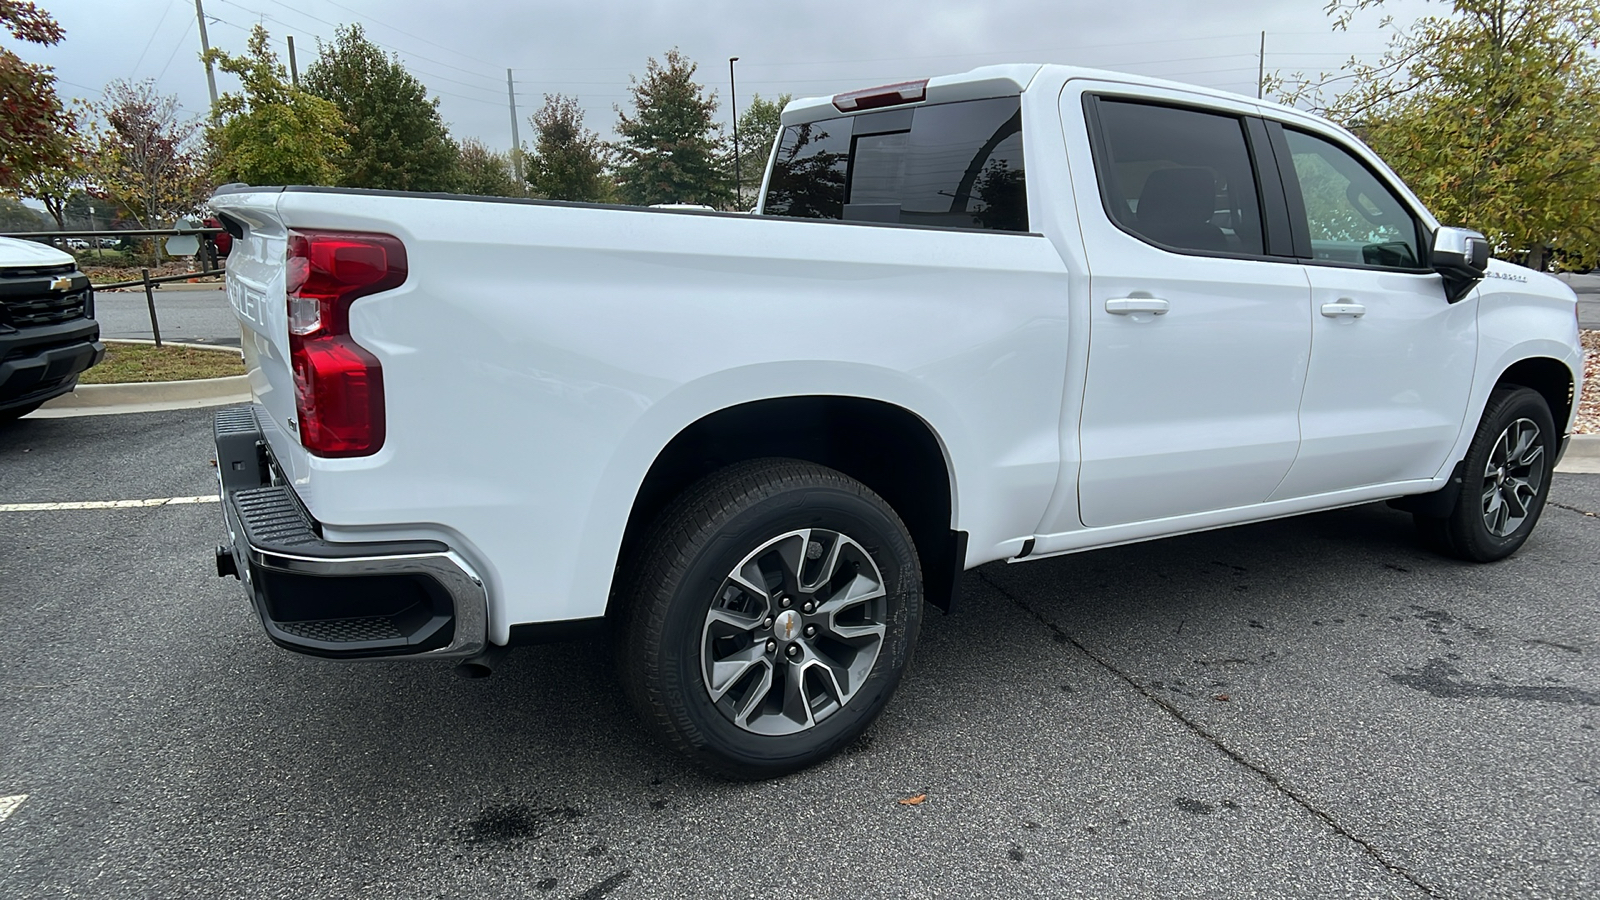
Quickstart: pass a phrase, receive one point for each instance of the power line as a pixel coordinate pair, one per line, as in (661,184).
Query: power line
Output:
(174,55)
(155,31)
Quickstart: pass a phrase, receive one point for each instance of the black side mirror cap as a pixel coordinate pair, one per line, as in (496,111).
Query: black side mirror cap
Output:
(1461,256)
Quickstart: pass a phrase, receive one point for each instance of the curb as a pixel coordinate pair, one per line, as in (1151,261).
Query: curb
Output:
(1582,456)
(146,396)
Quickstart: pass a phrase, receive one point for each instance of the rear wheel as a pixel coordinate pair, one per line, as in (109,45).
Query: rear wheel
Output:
(1505,480)
(773,612)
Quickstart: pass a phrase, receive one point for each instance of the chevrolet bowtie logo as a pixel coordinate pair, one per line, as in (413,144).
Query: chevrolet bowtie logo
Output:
(61,284)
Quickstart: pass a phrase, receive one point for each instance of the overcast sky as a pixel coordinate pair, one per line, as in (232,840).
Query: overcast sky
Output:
(461,50)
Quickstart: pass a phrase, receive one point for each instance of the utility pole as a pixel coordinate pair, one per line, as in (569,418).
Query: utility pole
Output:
(516,142)
(733,102)
(294,70)
(205,50)
(1261,68)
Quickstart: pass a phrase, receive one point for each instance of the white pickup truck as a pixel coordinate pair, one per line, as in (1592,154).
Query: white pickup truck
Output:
(1004,315)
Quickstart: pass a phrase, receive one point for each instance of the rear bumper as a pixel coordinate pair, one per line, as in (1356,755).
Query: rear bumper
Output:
(37,364)
(343,600)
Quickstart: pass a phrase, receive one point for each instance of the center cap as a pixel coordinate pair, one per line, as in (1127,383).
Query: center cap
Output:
(787,625)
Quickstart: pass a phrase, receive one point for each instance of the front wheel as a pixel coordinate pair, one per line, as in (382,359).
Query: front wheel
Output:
(771,615)
(1505,480)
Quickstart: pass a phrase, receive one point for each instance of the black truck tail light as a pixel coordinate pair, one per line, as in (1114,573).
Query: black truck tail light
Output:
(338,384)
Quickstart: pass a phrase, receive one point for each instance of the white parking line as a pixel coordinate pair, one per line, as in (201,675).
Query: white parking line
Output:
(106,504)
(8,805)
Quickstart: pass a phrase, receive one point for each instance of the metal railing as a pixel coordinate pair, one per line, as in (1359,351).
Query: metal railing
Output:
(207,255)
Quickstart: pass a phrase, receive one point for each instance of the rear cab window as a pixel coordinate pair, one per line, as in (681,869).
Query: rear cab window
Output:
(950,165)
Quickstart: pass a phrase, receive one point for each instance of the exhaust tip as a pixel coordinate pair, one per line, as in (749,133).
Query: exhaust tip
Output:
(473,671)
(482,665)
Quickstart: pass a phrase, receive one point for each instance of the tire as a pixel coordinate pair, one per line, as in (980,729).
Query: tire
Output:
(737,647)
(11,415)
(1505,480)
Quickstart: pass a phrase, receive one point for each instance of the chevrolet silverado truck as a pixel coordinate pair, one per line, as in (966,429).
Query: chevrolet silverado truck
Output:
(48,335)
(1004,315)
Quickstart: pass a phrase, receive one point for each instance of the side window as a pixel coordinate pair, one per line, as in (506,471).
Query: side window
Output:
(1179,178)
(808,173)
(1352,217)
(953,165)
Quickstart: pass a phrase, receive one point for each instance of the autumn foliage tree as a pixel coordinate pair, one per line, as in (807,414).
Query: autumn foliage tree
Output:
(671,147)
(1488,113)
(273,133)
(568,161)
(35,132)
(145,155)
(484,172)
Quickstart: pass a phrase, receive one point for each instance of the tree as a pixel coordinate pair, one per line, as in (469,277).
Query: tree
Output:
(671,148)
(568,161)
(144,155)
(397,140)
(484,172)
(55,184)
(35,132)
(14,216)
(758,131)
(1488,114)
(273,133)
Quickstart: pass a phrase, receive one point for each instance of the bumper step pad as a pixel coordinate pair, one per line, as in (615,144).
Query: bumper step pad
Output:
(338,599)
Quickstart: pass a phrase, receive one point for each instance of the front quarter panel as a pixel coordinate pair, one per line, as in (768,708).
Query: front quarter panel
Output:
(1522,314)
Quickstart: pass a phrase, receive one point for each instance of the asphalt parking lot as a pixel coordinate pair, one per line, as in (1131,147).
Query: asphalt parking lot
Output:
(1309,708)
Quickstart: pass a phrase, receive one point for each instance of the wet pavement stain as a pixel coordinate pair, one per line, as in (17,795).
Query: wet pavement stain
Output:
(605,887)
(1567,647)
(1438,678)
(514,822)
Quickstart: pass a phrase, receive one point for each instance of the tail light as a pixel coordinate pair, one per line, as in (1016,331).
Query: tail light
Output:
(338,385)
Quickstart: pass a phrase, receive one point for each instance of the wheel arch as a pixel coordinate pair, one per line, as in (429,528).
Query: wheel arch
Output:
(1551,378)
(885,446)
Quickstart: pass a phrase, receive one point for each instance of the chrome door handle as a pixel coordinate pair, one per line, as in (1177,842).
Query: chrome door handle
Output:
(1344,308)
(1122,306)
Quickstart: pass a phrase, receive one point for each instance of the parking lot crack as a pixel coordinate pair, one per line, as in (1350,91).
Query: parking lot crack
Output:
(1061,635)
(1580,511)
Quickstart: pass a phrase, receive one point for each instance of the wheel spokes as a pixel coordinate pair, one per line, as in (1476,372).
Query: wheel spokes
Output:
(795,630)
(728,672)
(1512,477)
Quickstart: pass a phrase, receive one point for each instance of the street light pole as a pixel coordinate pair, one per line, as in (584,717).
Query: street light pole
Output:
(733,102)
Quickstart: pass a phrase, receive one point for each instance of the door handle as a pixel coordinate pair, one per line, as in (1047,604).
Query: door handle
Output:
(1344,308)
(1122,306)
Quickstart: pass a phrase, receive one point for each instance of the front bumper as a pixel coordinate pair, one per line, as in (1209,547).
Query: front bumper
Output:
(343,600)
(37,364)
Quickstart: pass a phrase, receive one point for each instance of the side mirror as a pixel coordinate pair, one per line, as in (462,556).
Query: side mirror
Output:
(1461,255)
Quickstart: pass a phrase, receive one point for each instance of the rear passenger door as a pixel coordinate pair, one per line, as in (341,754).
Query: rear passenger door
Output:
(1200,327)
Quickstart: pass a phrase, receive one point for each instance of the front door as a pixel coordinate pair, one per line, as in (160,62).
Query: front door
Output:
(1391,360)
(1199,340)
